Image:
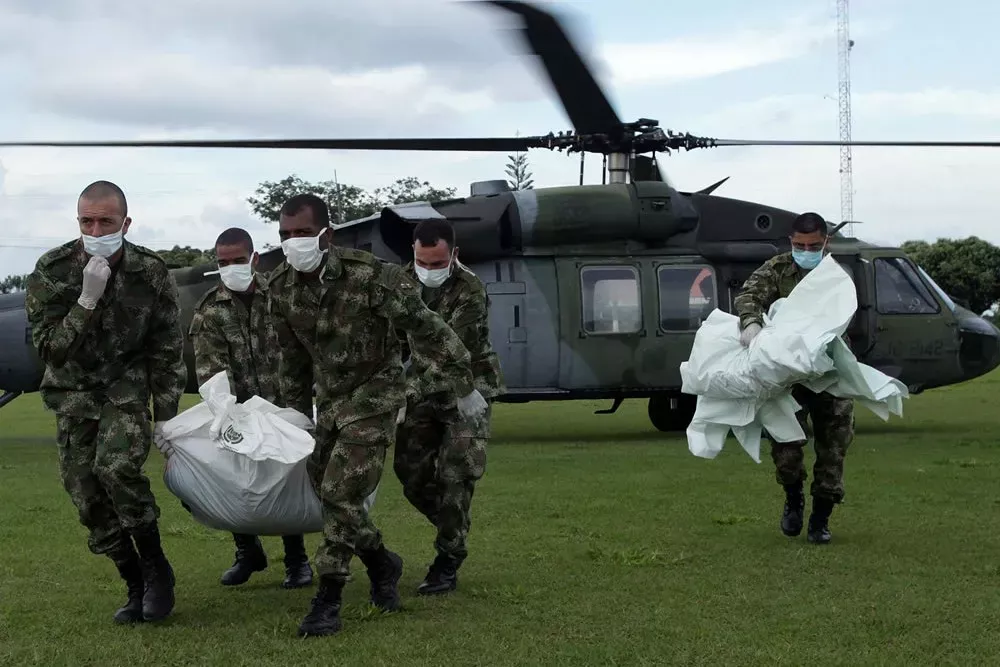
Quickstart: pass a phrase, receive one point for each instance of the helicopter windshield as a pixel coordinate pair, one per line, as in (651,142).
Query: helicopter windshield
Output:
(941,293)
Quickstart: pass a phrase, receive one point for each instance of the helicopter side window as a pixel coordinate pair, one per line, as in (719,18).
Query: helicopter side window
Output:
(899,290)
(611,303)
(687,296)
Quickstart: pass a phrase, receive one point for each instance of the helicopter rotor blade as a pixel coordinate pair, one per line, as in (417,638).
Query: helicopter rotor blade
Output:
(806,142)
(508,144)
(582,97)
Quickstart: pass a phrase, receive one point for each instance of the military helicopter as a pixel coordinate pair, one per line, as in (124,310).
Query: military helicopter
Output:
(597,290)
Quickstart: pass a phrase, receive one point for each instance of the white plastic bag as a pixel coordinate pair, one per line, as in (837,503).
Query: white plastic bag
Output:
(747,390)
(253,478)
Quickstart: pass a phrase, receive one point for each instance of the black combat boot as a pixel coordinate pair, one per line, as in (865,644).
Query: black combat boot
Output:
(127,562)
(442,576)
(795,505)
(250,558)
(298,573)
(158,576)
(819,532)
(324,617)
(384,570)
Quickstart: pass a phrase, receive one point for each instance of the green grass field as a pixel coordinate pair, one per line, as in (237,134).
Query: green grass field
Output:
(595,540)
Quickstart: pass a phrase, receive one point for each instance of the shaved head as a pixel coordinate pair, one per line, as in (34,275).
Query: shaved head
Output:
(101,190)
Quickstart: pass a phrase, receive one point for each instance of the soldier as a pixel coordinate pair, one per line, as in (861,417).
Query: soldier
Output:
(231,332)
(440,456)
(336,311)
(832,418)
(105,321)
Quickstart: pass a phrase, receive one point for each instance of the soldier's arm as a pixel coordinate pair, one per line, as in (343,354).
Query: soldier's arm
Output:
(469,316)
(295,365)
(211,350)
(758,293)
(165,346)
(430,337)
(56,331)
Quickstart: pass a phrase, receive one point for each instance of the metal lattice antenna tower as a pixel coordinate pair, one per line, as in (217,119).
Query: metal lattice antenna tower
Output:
(844,45)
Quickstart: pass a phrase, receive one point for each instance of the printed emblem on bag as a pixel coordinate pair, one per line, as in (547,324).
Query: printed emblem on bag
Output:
(232,436)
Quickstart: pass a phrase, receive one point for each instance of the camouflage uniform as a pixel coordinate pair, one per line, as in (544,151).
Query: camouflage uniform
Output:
(233,333)
(439,456)
(337,329)
(832,418)
(101,369)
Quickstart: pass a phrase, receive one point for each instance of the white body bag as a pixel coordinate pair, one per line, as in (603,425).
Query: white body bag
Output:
(252,479)
(747,390)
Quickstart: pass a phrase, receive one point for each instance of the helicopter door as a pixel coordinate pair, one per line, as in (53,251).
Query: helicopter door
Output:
(600,305)
(861,330)
(916,334)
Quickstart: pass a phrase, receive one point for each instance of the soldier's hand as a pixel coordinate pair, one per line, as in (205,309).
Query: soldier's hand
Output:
(749,334)
(401,415)
(95,279)
(160,441)
(473,406)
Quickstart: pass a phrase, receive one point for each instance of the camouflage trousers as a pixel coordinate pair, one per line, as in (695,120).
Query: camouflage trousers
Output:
(345,467)
(832,430)
(439,457)
(100,462)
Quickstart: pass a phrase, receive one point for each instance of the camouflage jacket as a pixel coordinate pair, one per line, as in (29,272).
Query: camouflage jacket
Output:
(464,305)
(773,280)
(128,349)
(338,330)
(226,337)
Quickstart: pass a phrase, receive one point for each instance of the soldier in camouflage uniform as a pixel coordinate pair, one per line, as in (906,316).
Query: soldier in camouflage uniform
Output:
(439,456)
(231,332)
(832,418)
(336,318)
(105,321)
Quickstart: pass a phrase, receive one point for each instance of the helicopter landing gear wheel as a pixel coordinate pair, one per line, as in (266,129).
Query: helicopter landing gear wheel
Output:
(671,413)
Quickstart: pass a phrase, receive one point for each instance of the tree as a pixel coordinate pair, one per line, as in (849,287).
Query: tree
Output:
(517,169)
(967,269)
(182,258)
(347,202)
(12,284)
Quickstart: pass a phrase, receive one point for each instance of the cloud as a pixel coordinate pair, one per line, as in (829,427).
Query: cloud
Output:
(320,68)
(696,57)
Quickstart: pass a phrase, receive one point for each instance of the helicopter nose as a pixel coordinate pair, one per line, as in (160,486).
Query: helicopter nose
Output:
(980,346)
(20,370)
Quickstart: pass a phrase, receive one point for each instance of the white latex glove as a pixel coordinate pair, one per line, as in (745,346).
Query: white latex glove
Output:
(95,279)
(401,415)
(161,442)
(749,334)
(473,406)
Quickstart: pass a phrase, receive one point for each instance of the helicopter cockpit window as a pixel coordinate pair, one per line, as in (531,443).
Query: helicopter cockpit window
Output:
(899,290)
(611,301)
(687,296)
(937,288)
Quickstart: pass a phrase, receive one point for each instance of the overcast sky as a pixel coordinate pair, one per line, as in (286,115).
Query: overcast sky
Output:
(330,68)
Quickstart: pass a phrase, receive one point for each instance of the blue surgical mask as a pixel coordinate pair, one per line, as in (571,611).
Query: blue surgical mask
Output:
(807,259)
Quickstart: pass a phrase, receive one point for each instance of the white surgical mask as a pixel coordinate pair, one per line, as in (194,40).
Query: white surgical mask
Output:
(434,277)
(236,277)
(102,246)
(303,254)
